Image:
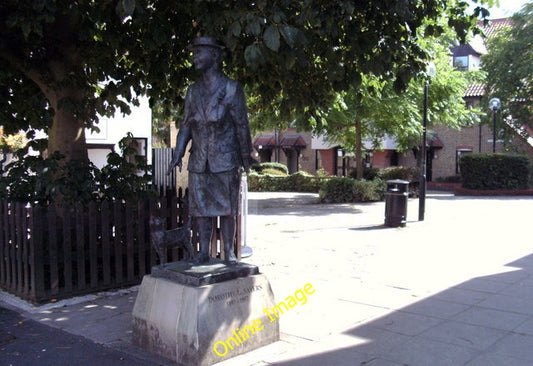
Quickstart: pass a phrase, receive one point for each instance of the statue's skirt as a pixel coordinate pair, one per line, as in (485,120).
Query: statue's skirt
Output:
(214,194)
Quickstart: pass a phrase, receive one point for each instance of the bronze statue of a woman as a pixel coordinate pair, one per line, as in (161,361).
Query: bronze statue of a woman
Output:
(215,119)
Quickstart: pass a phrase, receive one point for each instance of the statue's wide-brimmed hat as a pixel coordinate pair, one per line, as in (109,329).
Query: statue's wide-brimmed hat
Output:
(205,42)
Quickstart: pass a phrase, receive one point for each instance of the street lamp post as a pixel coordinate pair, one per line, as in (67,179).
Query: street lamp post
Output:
(432,71)
(494,105)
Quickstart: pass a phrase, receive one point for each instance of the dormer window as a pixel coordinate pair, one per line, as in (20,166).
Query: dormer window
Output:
(460,63)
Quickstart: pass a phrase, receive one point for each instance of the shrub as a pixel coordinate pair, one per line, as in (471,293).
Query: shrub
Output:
(338,190)
(450,179)
(51,179)
(394,172)
(495,171)
(369,190)
(261,167)
(304,182)
(322,173)
(410,174)
(297,182)
(274,172)
(343,190)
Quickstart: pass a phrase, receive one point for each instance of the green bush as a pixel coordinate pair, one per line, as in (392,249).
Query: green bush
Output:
(369,190)
(410,174)
(495,171)
(52,179)
(394,172)
(274,172)
(304,182)
(297,182)
(269,166)
(338,190)
(450,179)
(345,189)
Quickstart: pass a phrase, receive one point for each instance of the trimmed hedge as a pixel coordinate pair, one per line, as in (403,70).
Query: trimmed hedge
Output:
(297,182)
(332,189)
(346,190)
(495,171)
(268,167)
(410,174)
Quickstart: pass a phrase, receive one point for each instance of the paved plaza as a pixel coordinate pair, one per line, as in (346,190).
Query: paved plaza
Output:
(454,289)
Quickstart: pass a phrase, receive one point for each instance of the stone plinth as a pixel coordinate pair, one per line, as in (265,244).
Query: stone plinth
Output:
(204,274)
(203,325)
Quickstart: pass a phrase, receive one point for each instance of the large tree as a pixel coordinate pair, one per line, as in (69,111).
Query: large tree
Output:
(509,69)
(375,110)
(64,62)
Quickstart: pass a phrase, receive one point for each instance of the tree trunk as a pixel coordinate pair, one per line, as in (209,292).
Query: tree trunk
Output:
(67,136)
(67,133)
(359,149)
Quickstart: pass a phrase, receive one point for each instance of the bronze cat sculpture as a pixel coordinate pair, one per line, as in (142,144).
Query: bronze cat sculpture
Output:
(162,239)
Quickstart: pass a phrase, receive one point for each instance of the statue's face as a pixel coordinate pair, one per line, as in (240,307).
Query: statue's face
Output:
(204,58)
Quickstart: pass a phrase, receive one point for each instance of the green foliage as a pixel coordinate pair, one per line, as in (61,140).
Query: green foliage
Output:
(297,182)
(271,167)
(36,179)
(509,68)
(345,190)
(85,58)
(126,175)
(495,171)
(369,190)
(322,173)
(450,179)
(381,111)
(53,179)
(338,190)
(271,171)
(410,174)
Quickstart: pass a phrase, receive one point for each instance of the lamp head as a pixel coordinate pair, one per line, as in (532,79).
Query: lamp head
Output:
(432,69)
(495,104)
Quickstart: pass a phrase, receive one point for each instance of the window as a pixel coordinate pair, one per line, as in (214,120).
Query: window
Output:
(458,153)
(461,63)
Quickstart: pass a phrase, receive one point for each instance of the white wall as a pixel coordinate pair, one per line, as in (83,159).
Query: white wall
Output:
(112,130)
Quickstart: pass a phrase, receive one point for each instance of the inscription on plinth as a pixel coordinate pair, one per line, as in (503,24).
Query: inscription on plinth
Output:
(203,325)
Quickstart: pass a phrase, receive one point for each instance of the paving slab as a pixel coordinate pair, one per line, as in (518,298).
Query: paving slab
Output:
(454,289)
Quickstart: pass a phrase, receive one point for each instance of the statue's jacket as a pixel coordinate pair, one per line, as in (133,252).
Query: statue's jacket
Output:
(218,126)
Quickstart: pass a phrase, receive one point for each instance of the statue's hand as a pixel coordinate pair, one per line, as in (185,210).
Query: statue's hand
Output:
(175,162)
(248,161)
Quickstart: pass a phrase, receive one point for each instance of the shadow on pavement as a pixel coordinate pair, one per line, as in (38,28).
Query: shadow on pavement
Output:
(487,320)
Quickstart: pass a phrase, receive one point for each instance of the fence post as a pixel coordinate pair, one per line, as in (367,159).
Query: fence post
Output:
(3,242)
(37,217)
(52,249)
(93,248)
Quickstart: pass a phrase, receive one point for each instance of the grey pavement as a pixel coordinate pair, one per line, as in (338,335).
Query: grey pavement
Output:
(454,289)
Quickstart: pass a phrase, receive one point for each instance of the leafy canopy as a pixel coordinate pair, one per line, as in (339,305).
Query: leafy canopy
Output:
(509,69)
(84,58)
(384,112)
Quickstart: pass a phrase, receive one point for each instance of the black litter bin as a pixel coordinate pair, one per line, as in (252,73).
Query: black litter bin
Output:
(396,202)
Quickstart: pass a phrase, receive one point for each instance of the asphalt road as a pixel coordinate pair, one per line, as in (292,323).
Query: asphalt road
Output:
(27,342)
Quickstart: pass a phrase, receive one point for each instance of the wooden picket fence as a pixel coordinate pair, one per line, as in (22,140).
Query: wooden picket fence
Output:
(51,253)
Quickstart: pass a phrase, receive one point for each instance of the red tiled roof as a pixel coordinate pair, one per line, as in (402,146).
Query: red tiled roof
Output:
(286,142)
(478,90)
(475,90)
(494,25)
(292,141)
(265,142)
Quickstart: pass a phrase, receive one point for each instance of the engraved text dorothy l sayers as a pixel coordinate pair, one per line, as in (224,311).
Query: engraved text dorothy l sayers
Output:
(240,336)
